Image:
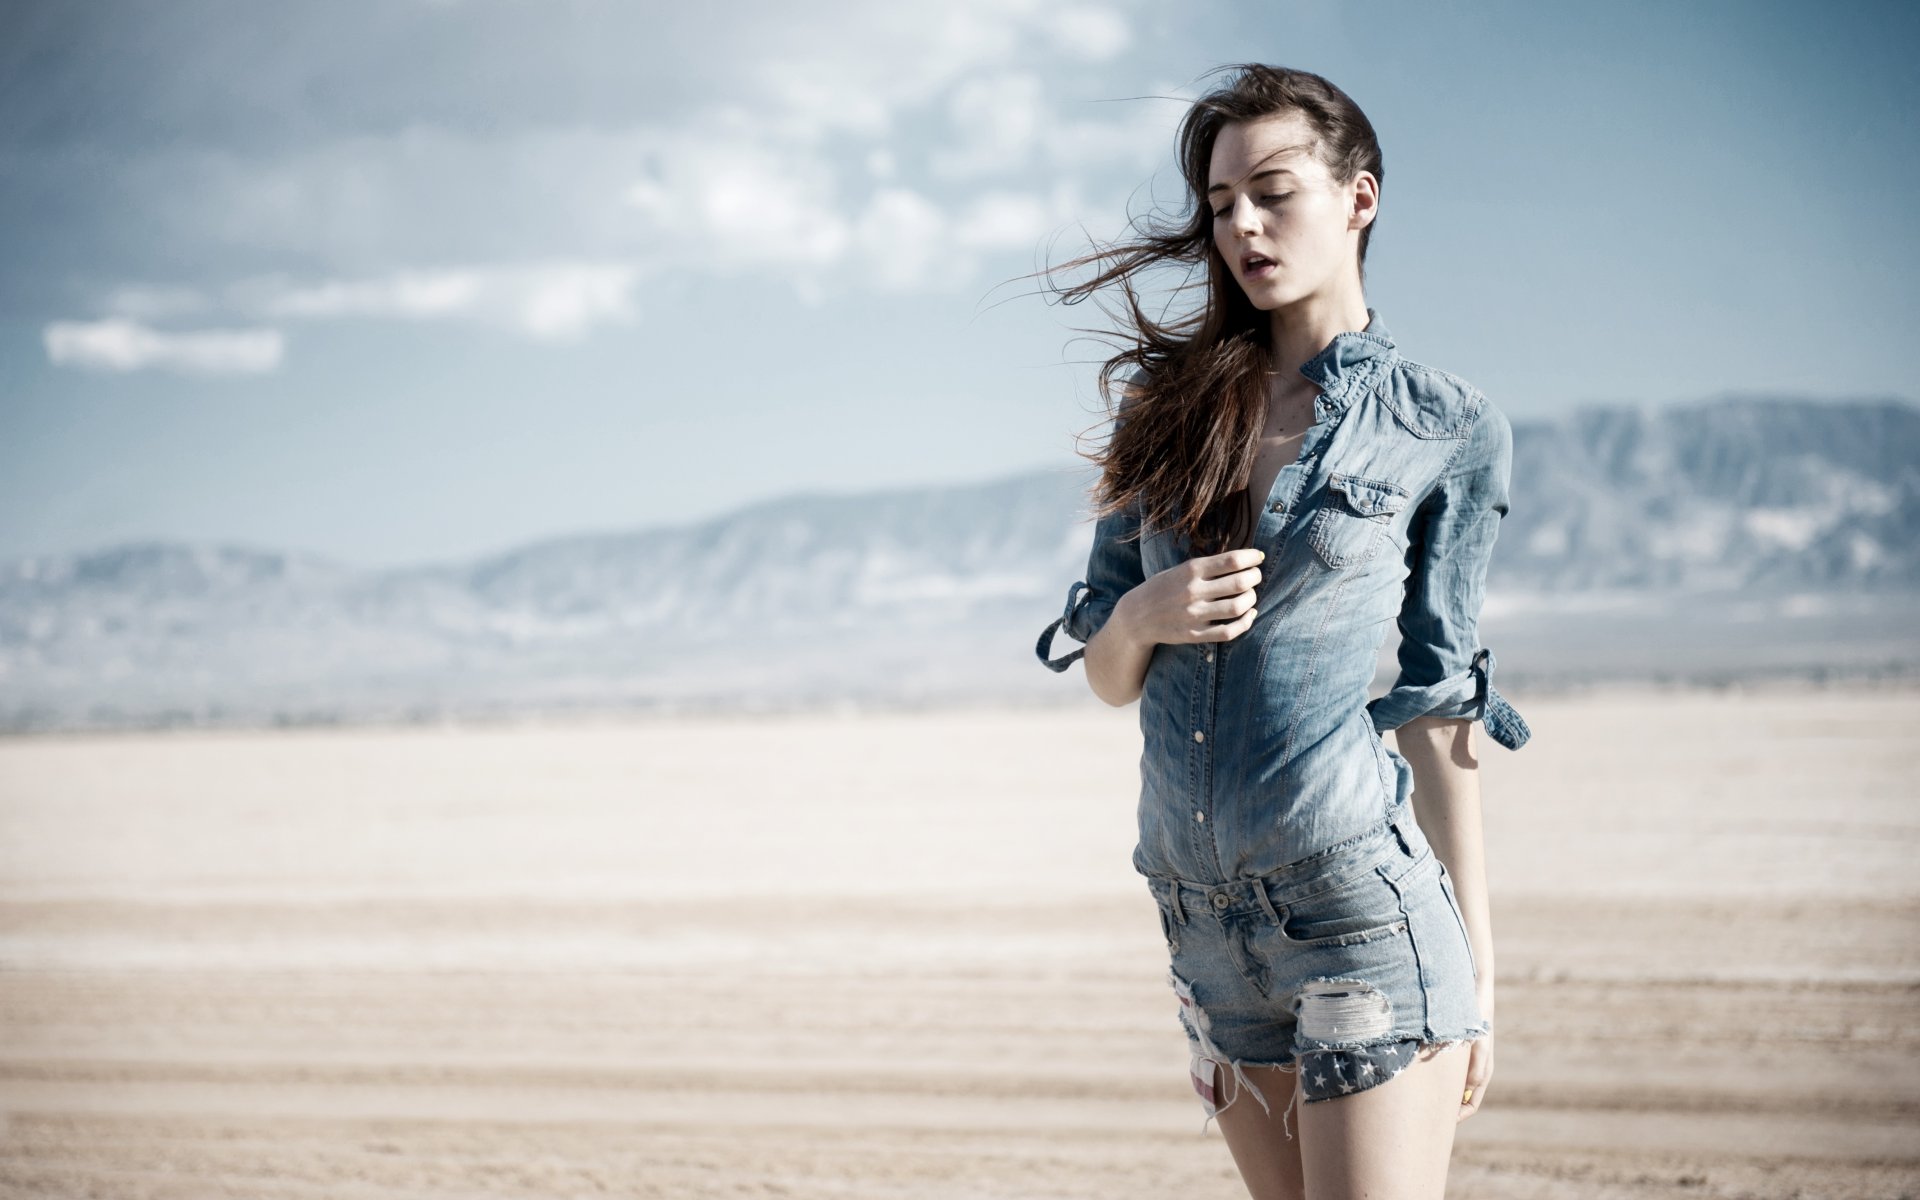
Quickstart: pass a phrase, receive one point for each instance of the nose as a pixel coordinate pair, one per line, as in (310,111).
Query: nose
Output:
(1246,221)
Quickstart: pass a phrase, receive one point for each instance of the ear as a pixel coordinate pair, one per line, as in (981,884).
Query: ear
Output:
(1366,200)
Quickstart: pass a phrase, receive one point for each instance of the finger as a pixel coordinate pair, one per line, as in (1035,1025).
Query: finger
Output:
(1470,1107)
(1226,631)
(1479,1074)
(1215,565)
(1231,608)
(1225,587)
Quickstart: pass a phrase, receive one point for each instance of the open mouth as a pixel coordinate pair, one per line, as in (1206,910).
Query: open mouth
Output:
(1254,266)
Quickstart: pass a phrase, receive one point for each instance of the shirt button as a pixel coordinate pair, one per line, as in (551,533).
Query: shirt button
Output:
(1221,900)
(1209,656)
(1199,736)
(1200,814)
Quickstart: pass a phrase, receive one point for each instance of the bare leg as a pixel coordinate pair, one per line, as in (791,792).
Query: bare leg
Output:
(1392,1141)
(1268,1157)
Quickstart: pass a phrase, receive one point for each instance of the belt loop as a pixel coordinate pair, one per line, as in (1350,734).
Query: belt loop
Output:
(1260,894)
(1179,910)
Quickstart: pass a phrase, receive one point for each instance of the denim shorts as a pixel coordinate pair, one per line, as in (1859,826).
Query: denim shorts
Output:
(1338,966)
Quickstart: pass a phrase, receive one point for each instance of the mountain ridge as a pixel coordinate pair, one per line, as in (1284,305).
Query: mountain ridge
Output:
(1803,506)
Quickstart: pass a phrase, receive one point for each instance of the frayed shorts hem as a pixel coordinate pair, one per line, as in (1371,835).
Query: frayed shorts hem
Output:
(1323,1074)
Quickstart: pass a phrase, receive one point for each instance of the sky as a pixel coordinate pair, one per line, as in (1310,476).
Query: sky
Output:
(414,281)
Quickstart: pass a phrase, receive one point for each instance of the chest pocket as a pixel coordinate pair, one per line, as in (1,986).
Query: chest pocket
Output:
(1351,526)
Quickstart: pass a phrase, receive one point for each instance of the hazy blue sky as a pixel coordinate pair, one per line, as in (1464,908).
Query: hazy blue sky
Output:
(407,280)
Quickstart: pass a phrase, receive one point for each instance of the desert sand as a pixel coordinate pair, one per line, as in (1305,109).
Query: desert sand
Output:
(904,955)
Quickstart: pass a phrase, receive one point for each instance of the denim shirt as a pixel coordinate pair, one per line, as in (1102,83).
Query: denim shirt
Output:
(1264,750)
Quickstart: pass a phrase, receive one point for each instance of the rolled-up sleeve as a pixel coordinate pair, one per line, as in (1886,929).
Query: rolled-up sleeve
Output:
(1113,569)
(1444,671)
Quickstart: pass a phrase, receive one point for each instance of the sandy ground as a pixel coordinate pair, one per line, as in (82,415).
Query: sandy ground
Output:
(903,955)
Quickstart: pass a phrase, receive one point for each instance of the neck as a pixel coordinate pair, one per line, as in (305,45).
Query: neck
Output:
(1304,328)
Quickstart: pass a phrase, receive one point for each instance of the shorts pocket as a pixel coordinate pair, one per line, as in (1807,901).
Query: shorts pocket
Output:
(1351,526)
(1169,930)
(1359,908)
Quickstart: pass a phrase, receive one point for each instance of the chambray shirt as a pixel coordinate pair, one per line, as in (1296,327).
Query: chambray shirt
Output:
(1264,750)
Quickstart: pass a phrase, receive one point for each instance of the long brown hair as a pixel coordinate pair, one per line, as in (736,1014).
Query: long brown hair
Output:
(1188,433)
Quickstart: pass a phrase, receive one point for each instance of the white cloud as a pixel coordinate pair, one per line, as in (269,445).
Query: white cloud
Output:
(561,304)
(785,181)
(893,147)
(903,241)
(1088,31)
(411,294)
(144,302)
(117,344)
(878,58)
(1005,220)
(546,301)
(813,103)
(996,121)
(1134,132)
(721,196)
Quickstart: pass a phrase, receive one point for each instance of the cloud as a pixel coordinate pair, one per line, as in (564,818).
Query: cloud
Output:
(730,193)
(117,344)
(894,148)
(548,302)
(903,242)
(720,196)
(1088,31)
(145,303)
(409,294)
(1010,220)
(996,121)
(1139,135)
(877,59)
(901,146)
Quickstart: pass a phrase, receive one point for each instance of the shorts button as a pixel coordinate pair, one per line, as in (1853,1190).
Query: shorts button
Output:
(1221,900)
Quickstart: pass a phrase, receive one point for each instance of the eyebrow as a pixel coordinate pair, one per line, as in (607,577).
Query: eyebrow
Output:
(1221,187)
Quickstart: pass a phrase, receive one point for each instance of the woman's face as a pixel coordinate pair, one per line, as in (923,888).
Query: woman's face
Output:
(1282,225)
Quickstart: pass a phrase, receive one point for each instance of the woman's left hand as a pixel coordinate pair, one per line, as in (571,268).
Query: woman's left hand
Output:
(1479,1071)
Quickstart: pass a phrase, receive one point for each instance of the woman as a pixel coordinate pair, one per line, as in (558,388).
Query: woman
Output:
(1322,895)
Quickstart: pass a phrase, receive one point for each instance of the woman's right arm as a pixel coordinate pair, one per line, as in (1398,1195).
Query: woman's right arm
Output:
(1118,655)
(1206,599)
(1120,614)
(1113,574)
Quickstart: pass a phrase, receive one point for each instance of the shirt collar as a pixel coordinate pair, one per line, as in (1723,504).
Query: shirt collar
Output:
(1335,367)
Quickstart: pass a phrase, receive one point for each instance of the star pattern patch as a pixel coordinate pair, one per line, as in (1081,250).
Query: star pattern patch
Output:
(1328,1074)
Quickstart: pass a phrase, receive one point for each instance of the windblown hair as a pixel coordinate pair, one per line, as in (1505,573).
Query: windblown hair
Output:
(1188,433)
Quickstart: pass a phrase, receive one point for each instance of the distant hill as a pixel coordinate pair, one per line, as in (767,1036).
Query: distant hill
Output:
(1737,537)
(1740,492)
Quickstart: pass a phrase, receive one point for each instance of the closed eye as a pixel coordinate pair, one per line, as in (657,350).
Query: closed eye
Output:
(1273,197)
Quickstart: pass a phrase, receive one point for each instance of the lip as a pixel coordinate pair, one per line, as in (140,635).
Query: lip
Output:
(1249,271)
